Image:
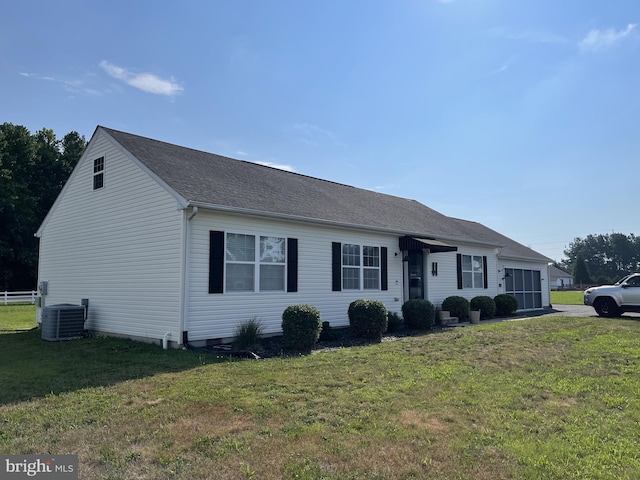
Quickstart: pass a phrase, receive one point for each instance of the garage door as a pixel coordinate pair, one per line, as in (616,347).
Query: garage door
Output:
(525,286)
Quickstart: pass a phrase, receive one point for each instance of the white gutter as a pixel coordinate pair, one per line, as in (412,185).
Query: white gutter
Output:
(186,274)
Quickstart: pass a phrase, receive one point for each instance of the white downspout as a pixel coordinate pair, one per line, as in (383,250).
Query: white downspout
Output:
(187,274)
(165,340)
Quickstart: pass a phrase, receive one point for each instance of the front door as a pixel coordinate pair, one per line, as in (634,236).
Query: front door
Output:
(416,277)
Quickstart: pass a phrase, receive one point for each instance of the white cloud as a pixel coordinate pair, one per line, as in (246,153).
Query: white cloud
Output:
(147,82)
(597,40)
(74,87)
(503,68)
(279,166)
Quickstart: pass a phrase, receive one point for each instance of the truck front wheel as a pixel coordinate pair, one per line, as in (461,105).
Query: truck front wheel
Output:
(606,307)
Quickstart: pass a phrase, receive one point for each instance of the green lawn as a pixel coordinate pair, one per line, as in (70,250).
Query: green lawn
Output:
(543,398)
(567,297)
(17,317)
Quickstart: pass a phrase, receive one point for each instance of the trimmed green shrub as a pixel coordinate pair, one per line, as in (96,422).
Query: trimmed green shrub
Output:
(327,334)
(394,322)
(505,304)
(419,314)
(368,319)
(301,325)
(457,306)
(485,304)
(248,334)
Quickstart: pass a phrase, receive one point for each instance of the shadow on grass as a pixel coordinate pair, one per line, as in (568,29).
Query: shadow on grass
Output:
(31,367)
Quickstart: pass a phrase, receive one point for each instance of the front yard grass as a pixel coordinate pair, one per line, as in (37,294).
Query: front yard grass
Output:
(567,297)
(542,398)
(17,317)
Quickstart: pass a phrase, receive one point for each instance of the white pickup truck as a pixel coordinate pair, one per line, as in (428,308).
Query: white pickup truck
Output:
(614,300)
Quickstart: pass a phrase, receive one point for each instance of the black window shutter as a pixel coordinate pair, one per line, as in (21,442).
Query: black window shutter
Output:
(336,266)
(384,285)
(486,273)
(216,261)
(459,268)
(292,264)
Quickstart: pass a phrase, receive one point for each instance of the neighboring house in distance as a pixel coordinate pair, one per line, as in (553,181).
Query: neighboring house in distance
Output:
(174,243)
(559,279)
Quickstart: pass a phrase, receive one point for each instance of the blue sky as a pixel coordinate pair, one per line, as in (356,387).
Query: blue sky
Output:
(521,115)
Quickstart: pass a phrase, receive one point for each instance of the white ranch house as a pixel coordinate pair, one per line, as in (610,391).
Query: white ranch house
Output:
(172,243)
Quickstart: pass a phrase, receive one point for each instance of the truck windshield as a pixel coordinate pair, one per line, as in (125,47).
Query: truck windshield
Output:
(622,280)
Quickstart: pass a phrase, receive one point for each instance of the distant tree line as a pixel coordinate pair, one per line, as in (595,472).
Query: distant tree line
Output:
(33,170)
(602,259)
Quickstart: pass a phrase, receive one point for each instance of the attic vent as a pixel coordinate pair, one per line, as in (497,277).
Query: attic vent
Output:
(62,322)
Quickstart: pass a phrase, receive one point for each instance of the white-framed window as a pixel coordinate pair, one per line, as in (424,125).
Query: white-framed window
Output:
(98,173)
(472,271)
(255,263)
(360,267)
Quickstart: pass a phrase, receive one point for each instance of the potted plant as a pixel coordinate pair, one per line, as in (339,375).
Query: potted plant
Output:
(474,316)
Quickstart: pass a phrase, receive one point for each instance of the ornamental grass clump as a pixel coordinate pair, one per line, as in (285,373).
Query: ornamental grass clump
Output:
(485,304)
(248,335)
(301,325)
(368,319)
(419,314)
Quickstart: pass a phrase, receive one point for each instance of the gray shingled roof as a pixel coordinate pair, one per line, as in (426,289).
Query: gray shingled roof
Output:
(213,180)
(556,272)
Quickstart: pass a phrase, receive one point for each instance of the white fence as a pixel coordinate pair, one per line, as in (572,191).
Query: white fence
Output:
(18,297)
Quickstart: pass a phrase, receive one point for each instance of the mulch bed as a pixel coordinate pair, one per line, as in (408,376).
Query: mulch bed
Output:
(271,347)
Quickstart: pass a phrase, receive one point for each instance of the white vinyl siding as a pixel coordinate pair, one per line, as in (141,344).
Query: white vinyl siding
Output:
(216,316)
(444,284)
(119,247)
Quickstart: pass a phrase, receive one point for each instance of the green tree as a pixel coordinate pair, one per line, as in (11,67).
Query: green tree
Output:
(17,153)
(611,255)
(33,170)
(580,272)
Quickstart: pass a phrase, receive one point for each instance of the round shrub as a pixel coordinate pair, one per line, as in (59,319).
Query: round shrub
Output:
(301,325)
(419,314)
(394,322)
(505,304)
(485,304)
(457,306)
(368,319)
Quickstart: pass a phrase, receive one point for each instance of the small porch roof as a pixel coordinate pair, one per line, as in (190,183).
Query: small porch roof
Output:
(435,246)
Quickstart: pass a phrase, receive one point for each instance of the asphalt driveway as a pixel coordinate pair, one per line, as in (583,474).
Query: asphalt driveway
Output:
(580,311)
